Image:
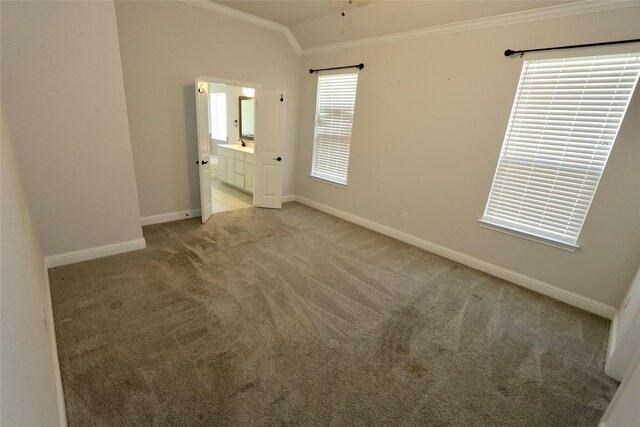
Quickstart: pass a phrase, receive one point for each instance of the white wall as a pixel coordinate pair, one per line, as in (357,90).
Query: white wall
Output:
(165,45)
(625,335)
(28,390)
(429,124)
(624,411)
(64,97)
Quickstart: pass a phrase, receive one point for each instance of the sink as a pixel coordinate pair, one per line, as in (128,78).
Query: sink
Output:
(237,147)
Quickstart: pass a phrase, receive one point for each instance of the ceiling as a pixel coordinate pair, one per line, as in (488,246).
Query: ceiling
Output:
(319,22)
(287,12)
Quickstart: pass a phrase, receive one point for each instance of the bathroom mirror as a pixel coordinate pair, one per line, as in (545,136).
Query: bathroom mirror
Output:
(247,113)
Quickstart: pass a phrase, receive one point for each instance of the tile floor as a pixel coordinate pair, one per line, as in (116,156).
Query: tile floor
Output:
(227,198)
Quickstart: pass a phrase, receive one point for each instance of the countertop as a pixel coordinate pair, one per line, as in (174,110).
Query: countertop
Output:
(237,147)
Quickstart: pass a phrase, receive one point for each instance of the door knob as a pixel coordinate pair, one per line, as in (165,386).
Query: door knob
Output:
(204,162)
(277,158)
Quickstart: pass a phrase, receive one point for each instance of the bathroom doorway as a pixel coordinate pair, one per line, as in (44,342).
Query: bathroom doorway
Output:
(240,141)
(231,115)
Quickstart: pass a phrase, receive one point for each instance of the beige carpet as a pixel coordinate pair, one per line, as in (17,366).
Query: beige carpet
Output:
(294,317)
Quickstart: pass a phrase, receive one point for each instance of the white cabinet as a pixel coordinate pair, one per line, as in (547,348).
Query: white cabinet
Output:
(248,177)
(236,168)
(231,171)
(248,172)
(222,167)
(239,166)
(239,180)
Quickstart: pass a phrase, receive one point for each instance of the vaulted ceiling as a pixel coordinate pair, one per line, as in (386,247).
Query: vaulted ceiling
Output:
(320,22)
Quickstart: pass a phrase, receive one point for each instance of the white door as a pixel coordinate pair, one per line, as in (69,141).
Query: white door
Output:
(204,147)
(269,142)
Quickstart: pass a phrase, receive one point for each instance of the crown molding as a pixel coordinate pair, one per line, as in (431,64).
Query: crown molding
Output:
(570,9)
(578,8)
(292,39)
(247,17)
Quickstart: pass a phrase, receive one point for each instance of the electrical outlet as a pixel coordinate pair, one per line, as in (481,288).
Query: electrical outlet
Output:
(403,216)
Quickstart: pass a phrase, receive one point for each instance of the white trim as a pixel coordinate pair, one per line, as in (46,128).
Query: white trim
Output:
(624,390)
(328,181)
(247,17)
(211,79)
(533,238)
(576,8)
(93,253)
(168,217)
(536,285)
(294,42)
(613,335)
(51,326)
(194,213)
(234,13)
(550,12)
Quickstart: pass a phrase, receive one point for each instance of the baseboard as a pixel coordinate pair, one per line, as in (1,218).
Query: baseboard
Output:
(536,285)
(168,217)
(62,411)
(176,216)
(613,335)
(93,253)
(613,364)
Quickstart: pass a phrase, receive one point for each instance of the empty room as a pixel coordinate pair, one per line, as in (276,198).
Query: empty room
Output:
(323,212)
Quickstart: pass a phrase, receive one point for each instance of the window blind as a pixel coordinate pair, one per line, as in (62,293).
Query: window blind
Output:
(565,119)
(334,119)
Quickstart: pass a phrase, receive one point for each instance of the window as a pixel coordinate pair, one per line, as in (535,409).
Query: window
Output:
(218,116)
(334,119)
(564,121)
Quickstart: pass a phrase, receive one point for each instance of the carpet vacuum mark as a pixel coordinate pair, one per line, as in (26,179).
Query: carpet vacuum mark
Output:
(266,317)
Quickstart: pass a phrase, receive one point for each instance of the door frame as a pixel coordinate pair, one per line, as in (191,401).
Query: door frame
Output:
(230,82)
(211,79)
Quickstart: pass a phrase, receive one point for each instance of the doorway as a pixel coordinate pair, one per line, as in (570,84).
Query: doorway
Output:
(231,112)
(240,142)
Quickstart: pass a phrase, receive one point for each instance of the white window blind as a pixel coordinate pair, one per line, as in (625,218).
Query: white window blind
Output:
(334,119)
(564,121)
(218,116)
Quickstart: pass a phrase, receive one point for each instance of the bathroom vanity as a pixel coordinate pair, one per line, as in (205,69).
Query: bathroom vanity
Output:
(236,166)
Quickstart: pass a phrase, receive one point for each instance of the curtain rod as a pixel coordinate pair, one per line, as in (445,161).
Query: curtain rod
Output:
(510,52)
(359,66)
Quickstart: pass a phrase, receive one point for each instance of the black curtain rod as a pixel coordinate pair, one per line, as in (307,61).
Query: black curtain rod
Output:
(510,52)
(359,66)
